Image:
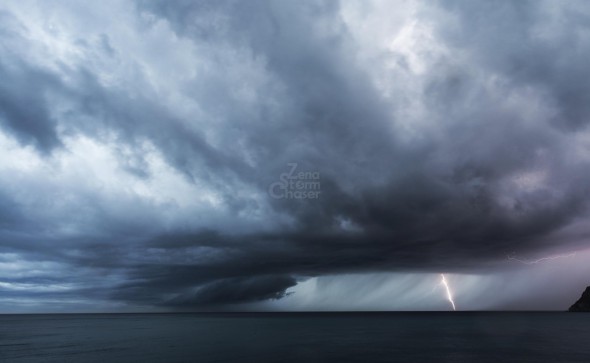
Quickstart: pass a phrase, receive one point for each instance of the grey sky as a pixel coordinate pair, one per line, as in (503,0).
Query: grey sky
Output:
(139,139)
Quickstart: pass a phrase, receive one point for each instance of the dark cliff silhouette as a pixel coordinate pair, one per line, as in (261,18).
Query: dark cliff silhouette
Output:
(583,304)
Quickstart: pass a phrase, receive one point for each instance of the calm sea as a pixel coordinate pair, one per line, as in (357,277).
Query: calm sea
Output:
(297,337)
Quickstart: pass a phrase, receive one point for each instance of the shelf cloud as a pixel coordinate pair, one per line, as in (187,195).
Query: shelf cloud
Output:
(198,154)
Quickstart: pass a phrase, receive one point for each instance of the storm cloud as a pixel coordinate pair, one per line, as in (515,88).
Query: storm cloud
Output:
(140,141)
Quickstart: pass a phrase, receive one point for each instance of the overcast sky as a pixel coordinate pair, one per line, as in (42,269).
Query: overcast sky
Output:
(293,155)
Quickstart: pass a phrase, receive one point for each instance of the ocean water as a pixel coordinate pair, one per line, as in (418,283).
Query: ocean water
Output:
(297,337)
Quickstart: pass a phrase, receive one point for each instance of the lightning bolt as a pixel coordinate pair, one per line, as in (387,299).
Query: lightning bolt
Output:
(449,294)
(548,258)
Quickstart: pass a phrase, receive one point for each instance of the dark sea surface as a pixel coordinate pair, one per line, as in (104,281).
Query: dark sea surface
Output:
(297,337)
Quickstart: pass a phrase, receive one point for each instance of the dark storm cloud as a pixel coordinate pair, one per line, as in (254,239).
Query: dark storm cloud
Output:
(9,213)
(24,107)
(515,38)
(479,179)
(441,190)
(236,290)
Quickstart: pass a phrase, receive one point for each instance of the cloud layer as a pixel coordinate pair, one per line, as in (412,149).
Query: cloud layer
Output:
(139,141)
